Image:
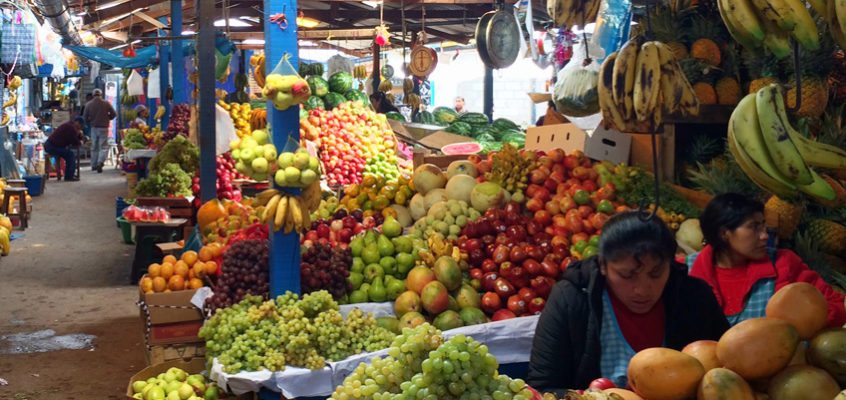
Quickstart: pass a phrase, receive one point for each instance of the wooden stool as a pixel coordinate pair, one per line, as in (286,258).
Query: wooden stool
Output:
(21,213)
(16,183)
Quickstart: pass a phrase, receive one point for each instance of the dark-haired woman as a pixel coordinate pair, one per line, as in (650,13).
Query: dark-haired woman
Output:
(631,296)
(380,103)
(742,271)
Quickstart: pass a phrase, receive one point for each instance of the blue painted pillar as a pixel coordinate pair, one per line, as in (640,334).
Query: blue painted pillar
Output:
(284,249)
(177,56)
(164,76)
(206,104)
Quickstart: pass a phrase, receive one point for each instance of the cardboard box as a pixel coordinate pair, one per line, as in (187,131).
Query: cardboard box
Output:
(171,307)
(601,144)
(176,333)
(169,352)
(195,366)
(442,161)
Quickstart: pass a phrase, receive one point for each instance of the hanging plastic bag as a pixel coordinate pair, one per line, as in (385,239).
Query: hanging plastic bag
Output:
(339,63)
(613,23)
(154,89)
(300,167)
(135,84)
(576,90)
(224,130)
(284,86)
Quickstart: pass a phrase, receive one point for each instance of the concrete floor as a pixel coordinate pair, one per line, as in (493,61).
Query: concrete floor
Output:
(70,273)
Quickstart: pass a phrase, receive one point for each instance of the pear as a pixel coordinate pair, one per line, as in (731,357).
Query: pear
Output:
(172,386)
(386,248)
(174,395)
(180,374)
(377,292)
(170,377)
(155,393)
(185,391)
(138,386)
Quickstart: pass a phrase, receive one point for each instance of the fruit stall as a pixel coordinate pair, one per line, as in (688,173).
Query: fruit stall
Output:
(348,253)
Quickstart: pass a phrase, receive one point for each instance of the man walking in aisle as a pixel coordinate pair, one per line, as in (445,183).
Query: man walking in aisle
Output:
(98,113)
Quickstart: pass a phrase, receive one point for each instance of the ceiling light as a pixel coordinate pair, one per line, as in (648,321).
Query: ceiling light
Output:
(188,32)
(253,41)
(254,20)
(110,4)
(307,22)
(136,41)
(372,4)
(119,47)
(237,23)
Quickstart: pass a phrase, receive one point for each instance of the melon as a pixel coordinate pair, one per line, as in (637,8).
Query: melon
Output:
(721,383)
(801,305)
(460,187)
(461,148)
(417,206)
(623,393)
(434,196)
(487,195)
(664,374)
(705,351)
(827,351)
(757,347)
(403,215)
(427,177)
(803,382)
(462,167)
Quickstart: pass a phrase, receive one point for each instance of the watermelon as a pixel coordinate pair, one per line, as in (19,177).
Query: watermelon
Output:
(445,115)
(303,113)
(485,137)
(425,117)
(332,100)
(461,148)
(313,103)
(459,128)
(305,69)
(340,82)
(357,95)
(395,116)
(484,130)
(504,124)
(318,86)
(516,138)
(474,118)
(316,69)
(488,147)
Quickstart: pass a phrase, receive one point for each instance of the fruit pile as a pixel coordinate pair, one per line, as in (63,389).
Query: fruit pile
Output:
(348,137)
(143,214)
(328,95)
(325,268)
(756,27)
(507,167)
(134,139)
(241,115)
(236,217)
(420,364)
(326,209)
(289,212)
(339,229)
(175,383)
(297,169)
(226,173)
(180,114)
(171,275)
(445,218)
(257,335)
(759,355)
(245,271)
(445,206)
(380,264)
(254,155)
(376,194)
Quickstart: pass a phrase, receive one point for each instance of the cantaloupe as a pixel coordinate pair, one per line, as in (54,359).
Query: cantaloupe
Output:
(417,206)
(664,374)
(757,347)
(427,177)
(724,384)
(801,305)
(459,187)
(803,382)
(705,351)
(461,167)
(434,196)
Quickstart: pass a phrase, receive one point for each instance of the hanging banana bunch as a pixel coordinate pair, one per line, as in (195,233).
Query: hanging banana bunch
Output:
(160,112)
(414,101)
(360,72)
(407,87)
(13,99)
(15,83)
(289,212)
(385,86)
(5,120)
(257,62)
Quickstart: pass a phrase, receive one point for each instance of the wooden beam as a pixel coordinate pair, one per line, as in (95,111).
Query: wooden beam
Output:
(472,12)
(123,8)
(151,20)
(362,33)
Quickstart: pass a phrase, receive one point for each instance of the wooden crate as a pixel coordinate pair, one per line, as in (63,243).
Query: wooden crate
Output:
(168,352)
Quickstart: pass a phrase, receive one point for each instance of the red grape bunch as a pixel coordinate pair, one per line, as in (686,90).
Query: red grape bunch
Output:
(324,267)
(245,271)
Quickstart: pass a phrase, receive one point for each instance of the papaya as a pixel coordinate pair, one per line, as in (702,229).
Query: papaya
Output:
(757,347)
(827,351)
(705,351)
(803,382)
(801,305)
(209,212)
(664,374)
(724,384)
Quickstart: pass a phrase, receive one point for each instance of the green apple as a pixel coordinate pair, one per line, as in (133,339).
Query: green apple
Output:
(174,395)
(313,164)
(138,386)
(234,144)
(260,136)
(160,376)
(292,175)
(211,393)
(302,150)
(152,380)
(248,142)
(181,375)
(248,155)
(172,386)
(185,391)
(170,376)
(308,176)
(285,160)
(270,152)
(259,165)
(156,393)
(301,160)
(236,154)
(279,178)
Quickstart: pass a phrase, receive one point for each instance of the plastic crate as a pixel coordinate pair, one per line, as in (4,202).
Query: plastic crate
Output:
(126,230)
(33,184)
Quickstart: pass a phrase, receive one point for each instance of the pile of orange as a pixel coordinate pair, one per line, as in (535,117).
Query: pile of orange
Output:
(181,274)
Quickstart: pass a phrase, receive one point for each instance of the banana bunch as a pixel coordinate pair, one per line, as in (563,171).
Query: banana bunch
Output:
(360,72)
(773,154)
(128,100)
(407,87)
(13,98)
(15,83)
(572,12)
(160,112)
(770,23)
(640,82)
(257,62)
(5,120)
(289,212)
(129,114)
(414,101)
(385,86)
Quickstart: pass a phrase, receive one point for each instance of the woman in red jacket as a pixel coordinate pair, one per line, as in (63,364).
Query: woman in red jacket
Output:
(742,271)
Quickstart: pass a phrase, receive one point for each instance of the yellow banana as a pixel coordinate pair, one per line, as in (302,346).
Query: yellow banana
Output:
(777,11)
(754,172)
(268,213)
(671,92)
(837,31)
(305,218)
(5,120)
(741,36)
(774,128)
(819,188)
(296,212)
(623,80)
(13,98)
(745,128)
(839,14)
(647,81)
(15,83)
(741,15)
(281,212)
(791,16)
(289,219)
(610,112)
(776,40)
(819,154)
(160,112)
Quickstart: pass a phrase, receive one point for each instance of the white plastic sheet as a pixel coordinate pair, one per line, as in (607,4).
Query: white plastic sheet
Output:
(154,88)
(135,84)
(224,130)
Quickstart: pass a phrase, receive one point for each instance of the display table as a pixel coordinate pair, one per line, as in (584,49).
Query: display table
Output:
(141,157)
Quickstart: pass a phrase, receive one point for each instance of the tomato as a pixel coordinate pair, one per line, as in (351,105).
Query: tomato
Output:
(574,224)
(571,161)
(582,197)
(598,220)
(605,193)
(602,384)
(581,173)
(605,206)
(585,211)
(589,185)
(579,237)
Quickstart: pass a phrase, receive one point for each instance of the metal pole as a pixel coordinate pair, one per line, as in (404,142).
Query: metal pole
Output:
(488,93)
(177,55)
(376,68)
(206,107)
(164,74)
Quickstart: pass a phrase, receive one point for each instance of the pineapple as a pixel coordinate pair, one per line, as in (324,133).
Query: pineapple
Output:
(707,50)
(728,91)
(679,49)
(667,28)
(830,236)
(837,79)
(706,93)
(815,67)
(831,268)
(785,214)
(702,75)
(814,97)
(706,34)
(763,69)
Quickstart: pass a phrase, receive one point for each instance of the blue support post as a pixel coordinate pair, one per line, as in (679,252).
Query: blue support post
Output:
(164,62)
(177,56)
(205,120)
(284,249)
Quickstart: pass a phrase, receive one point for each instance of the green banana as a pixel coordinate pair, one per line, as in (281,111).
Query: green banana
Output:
(775,130)
(819,154)
(805,32)
(776,40)
(754,172)
(819,188)
(743,17)
(746,130)
(780,12)
(741,36)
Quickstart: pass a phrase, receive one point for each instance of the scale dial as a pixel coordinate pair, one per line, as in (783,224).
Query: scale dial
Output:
(502,39)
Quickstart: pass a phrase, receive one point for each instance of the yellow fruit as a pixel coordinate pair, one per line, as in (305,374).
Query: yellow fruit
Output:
(159,284)
(195,283)
(166,270)
(146,284)
(169,259)
(190,257)
(760,83)
(199,269)
(785,214)
(211,267)
(181,269)
(831,236)
(176,282)
(814,97)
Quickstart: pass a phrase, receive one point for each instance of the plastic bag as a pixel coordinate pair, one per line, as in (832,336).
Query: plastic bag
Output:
(339,63)
(154,90)
(224,130)
(284,86)
(576,90)
(135,84)
(613,24)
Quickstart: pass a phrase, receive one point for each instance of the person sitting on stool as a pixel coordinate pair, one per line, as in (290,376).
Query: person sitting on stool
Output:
(60,142)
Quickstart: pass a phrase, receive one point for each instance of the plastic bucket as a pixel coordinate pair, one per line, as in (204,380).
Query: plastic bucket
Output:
(126,230)
(120,205)
(33,184)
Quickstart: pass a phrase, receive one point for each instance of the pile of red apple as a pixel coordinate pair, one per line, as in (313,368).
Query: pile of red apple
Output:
(225,174)
(343,160)
(340,229)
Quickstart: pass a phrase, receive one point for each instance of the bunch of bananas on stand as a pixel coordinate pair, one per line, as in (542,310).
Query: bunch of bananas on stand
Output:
(289,212)
(639,82)
(360,72)
(13,86)
(770,23)
(257,61)
(773,154)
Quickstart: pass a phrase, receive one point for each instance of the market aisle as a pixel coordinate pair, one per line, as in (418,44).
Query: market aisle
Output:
(69,273)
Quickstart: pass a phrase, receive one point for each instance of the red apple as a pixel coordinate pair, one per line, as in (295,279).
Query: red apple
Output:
(519,277)
(538,176)
(557,155)
(503,288)
(491,302)
(311,235)
(542,285)
(543,217)
(602,384)
(589,185)
(535,204)
(501,253)
(552,207)
(557,177)
(337,225)
(571,161)
(503,314)
(488,265)
(517,255)
(532,267)
(546,161)
(551,184)
(585,211)
(516,305)
(550,269)
(344,235)
(532,190)
(323,231)
(536,305)
(567,204)
(476,273)
(526,294)
(535,252)
(489,281)
(560,232)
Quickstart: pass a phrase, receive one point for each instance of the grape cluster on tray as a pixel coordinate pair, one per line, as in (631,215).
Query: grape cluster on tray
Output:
(245,271)
(324,267)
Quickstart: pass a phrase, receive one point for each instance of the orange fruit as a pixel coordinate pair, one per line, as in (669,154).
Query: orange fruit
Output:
(154,270)
(181,269)
(211,268)
(176,282)
(166,271)
(190,257)
(206,253)
(169,259)
(159,284)
(190,274)
(146,284)
(195,283)
(199,269)
(217,249)
(166,290)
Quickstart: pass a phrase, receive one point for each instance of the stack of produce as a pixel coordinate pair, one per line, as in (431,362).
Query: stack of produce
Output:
(339,228)
(254,155)
(233,216)
(490,136)
(289,212)
(175,383)
(171,170)
(257,335)
(171,275)
(326,209)
(241,115)
(226,173)
(444,206)
(258,120)
(420,364)
(348,137)
(244,272)
(297,169)
(329,95)
(376,195)
(134,139)
(180,115)
(380,264)
(325,268)
(633,185)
